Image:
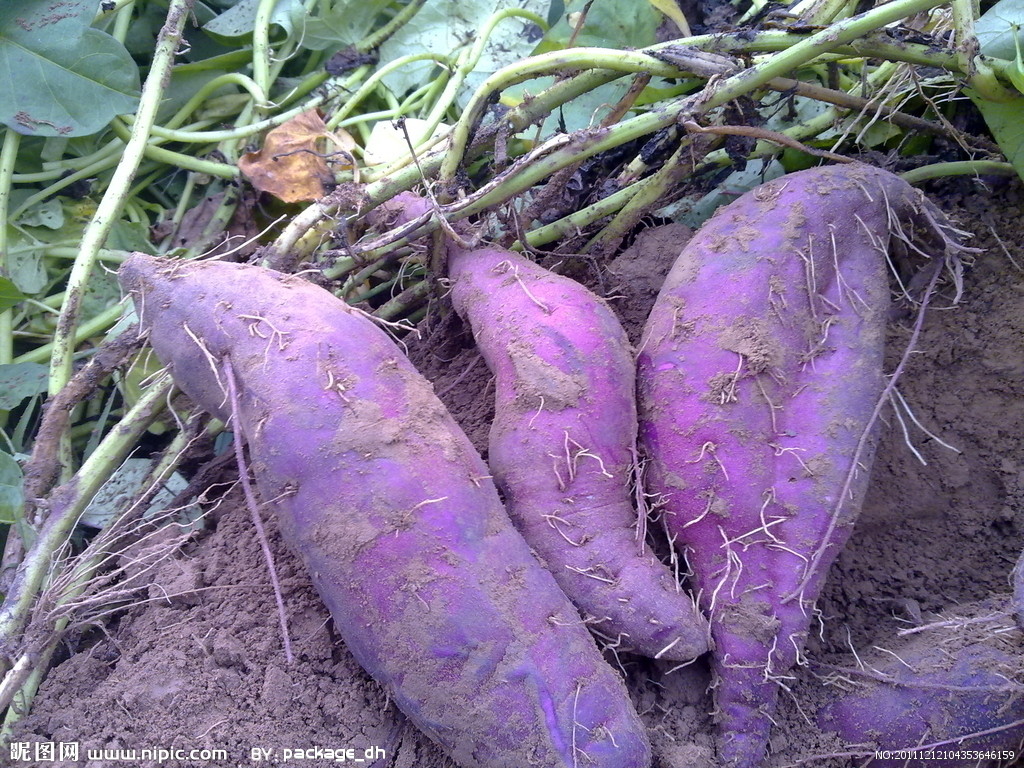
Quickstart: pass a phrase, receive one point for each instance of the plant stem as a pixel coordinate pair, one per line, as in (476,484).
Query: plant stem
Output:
(678,167)
(371,83)
(830,38)
(962,168)
(178,159)
(8,155)
(820,11)
(86,330)
(261,48)
(89,171)
(78,578)
(54,170)
(546,63)
(189,136)
(854,36)
(66,506)
(980,76)
(121,24)
(113,199)
(399,20)
(577,220)
(200,96)
(22,700)
(411,297)
(466,65)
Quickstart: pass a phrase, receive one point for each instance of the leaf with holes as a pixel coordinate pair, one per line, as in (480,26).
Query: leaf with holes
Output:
(60,77)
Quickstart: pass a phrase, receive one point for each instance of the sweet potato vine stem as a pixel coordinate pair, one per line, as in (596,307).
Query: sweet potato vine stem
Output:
(113,200)
(66,505)
(856,36)
(88,583)
(8,156)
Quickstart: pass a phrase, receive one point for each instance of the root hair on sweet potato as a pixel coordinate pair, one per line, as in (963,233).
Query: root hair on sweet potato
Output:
(844,494)
(254,507)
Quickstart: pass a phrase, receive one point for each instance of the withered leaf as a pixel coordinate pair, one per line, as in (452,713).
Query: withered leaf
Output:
(291,164)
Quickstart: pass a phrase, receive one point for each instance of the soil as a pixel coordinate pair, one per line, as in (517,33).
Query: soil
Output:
(197,661)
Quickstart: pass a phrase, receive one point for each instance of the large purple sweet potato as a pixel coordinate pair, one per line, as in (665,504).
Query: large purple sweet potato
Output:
(563,446)
(759,371)
(392,511)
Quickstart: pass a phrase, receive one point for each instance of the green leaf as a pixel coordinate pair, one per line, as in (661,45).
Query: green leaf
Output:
(61,77)
(447,26)
(998,31)
(19,381)
(9,294)
(25,265)
(999,27)
(608,24)
(239,20)
(49,214)
(130,236)
(101,293)
(12,498)
(343,23)
(1006,121)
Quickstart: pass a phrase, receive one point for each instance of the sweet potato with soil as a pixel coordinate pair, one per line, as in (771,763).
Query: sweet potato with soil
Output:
(563,442)
(958,686)
(392,511)
(759,373)
(563,446)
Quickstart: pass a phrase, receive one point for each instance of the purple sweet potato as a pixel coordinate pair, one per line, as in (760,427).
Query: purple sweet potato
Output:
(758,374)
(391,509)
(950,696)
(563,446)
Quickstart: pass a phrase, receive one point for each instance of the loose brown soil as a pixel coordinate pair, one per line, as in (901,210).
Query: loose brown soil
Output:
(198,661)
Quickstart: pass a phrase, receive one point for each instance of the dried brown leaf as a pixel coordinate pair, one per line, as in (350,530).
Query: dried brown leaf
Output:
(291,164)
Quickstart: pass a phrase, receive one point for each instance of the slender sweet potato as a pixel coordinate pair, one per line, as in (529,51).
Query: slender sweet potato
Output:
(391,509)
(935,698)
(563,441)
(759,373)
(563,446)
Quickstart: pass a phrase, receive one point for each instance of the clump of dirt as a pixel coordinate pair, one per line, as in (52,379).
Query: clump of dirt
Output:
(199,664)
